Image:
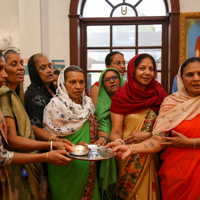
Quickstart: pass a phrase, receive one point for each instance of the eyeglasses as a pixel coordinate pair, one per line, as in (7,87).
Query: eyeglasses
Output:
(114,77)
(119,63)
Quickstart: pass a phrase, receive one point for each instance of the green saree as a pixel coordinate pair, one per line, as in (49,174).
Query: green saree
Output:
(107,172)
(78,179)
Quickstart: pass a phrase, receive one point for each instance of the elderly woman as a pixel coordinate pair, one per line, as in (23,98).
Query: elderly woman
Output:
(109,81)
(70,115)
(115,60)
(20,136)
(38,95)
(177,126)
(134,109)
(41,89)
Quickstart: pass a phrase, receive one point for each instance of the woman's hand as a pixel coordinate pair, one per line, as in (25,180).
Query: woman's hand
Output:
(101,142)
(58,157)
(137,136)
(179,140)
(65,141)
(113,144)
(62,146)
(83,143)
(122,151)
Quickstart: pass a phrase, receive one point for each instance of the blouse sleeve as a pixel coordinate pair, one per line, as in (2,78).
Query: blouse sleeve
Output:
(5,156)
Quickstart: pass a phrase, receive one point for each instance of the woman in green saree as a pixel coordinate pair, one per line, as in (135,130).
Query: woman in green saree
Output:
(109,81)
(69,114)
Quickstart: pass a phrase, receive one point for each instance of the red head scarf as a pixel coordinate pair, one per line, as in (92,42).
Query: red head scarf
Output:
(131,99)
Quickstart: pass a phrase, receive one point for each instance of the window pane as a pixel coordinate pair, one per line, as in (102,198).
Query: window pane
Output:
(98,36)
(158,78)
(123,35)
(151,8)
(132,2)
(125,77)
(92,78)
(96,8)
(150,35)
(156,53)
(115,2)
(96,59)
(128,54)
(126,10)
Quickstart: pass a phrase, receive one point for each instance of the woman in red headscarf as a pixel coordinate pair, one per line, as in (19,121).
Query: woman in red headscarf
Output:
(134,109)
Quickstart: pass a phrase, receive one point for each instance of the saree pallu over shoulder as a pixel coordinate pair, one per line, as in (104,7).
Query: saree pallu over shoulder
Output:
(5,159)
(13,107)
(137,175)
(182,181)
(78,179)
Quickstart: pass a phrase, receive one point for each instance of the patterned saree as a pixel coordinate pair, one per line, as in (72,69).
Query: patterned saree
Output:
(137,175)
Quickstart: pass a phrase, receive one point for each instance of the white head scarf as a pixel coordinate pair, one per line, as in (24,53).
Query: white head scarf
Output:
(64,117)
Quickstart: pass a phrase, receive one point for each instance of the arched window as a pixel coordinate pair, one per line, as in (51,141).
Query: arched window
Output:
(128,26)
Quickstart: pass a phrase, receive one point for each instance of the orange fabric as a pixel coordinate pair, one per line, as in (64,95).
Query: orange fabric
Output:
(197,44)
(180,171)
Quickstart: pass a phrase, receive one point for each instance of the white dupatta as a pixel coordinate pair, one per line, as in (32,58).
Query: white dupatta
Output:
(64,117)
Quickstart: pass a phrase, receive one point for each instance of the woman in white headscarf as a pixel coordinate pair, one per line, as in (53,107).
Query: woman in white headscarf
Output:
(70,115)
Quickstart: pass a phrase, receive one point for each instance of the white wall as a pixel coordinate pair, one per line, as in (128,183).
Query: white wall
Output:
(29,27)
(9,18)
(37,26)
(189,5)
(43,25)
(59,29)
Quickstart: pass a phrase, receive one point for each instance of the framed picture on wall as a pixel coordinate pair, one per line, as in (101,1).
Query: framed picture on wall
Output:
(189,35)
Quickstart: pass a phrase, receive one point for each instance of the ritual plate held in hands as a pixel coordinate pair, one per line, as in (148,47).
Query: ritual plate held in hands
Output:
(95,154)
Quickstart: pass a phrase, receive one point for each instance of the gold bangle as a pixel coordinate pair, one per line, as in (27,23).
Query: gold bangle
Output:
(131,148)
(194,143)
(51,146)
(121,141)
(51,137)
(47,156)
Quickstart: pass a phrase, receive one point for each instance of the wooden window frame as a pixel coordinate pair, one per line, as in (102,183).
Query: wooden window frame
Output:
(77,52)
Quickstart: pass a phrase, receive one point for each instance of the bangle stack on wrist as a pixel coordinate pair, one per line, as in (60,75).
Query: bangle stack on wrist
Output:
(104,138)
(121,141)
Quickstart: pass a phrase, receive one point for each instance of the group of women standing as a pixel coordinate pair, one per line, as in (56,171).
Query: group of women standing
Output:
(20,179)
(175,133)
(126,121)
